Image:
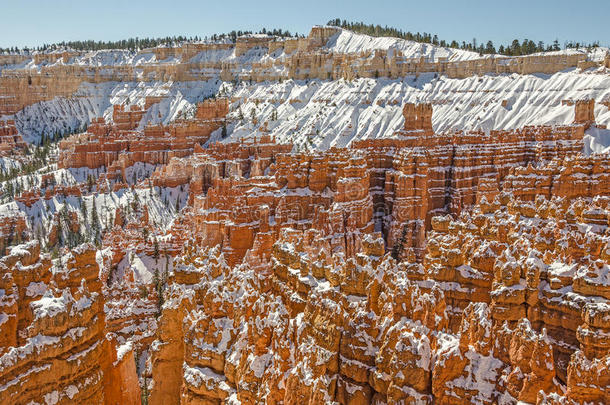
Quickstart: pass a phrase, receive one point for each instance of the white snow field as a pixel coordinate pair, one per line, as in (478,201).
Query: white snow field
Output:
(320,113)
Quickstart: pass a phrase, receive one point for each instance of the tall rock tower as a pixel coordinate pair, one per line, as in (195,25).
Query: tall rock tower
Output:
(583,112)
(418,117)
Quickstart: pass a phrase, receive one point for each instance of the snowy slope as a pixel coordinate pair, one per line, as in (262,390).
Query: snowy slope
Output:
(597,140)
(595,54)
(344,41)
(364,108)
(332,113)
(96,100)
(350,42)
(161,204)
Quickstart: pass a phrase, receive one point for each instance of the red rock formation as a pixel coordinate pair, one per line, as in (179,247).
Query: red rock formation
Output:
(13,228)
(408,180)
(304,58)
(346,328)
(126,118)
(583,112)
(212,109)
(504,302)
(30,197)
(117,147)
(418,118)
(433,268)
(11,142)
(422,174)
(52,339)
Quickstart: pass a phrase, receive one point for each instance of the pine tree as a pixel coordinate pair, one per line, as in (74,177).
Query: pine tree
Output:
(489,48)
(95,221)
(156,250)
(83,209)
(398,246)
(556,45)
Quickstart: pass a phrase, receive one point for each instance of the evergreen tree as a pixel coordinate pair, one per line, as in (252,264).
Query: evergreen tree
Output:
(489,48)
(83,209)
(515,49)
(95,221)
(156,250)
(556,45)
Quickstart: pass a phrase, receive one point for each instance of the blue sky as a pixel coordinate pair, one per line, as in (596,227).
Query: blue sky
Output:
(34,22)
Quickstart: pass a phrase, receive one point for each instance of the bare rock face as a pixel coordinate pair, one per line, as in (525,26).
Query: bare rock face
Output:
(53,346)
(506,302)
(119,145)
(430,268)
(583,112)
(11,142)
(418,117)
(300,58)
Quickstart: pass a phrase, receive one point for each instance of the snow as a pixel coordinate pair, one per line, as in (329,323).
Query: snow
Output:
(368,108)
(596,140)
(96,99)
(110,57)
(142,266)
(7,163)
(4,318)
(71,391)
(50,306)
(79,355)
(559,269)
(350,42)
(595,54)
(41,213)
(34,344)
(319,114)
(196,376)
(51,398)
(225,326)
(35,289)
(122,350)
(481,375)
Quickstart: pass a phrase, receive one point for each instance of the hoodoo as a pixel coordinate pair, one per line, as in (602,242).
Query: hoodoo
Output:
(338,218)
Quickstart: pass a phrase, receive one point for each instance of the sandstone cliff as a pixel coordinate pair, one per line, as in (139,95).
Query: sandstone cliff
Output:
(53,346)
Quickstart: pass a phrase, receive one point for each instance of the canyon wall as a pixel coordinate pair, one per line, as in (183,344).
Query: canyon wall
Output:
(118,145)
(53,345)
(496,312)
(448,268)
(393,185)
(500,299)
(11,142)
(303,58)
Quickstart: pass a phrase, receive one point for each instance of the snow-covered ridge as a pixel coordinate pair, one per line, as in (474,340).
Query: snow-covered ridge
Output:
(319,114)
(346,41)
(343,41)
